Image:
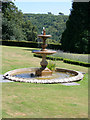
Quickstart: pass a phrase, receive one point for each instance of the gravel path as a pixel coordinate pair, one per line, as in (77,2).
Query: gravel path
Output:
(70,84)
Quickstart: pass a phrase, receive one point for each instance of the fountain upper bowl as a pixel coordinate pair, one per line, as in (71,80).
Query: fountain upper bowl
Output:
(47,52)
(44,36)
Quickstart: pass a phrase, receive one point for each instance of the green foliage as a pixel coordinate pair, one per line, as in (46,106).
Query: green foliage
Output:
(54,24)
(76,62)
(14,27)
(29,31)
(75,36)
(51,65)
(11,22)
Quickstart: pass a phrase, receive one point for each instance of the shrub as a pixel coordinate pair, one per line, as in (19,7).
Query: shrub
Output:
(76,62)
(51,65)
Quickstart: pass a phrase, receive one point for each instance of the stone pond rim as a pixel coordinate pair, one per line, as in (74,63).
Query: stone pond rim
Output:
(9,75)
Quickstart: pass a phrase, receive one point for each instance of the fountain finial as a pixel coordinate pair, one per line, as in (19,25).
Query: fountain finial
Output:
(44,31)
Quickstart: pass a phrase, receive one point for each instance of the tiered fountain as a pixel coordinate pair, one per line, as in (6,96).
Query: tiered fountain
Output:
(43,74)
(44,71)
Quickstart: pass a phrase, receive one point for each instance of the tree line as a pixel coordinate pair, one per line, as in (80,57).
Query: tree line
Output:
(54,24)
(72,32)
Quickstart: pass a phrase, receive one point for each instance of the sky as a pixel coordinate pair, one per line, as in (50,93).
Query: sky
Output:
(44,6)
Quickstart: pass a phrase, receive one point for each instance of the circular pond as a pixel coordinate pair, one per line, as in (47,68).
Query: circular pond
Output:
(58,76)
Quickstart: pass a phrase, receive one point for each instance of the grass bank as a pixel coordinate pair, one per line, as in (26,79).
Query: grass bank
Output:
(27,100)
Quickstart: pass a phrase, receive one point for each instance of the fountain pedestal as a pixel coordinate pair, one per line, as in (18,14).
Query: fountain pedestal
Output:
(44,71)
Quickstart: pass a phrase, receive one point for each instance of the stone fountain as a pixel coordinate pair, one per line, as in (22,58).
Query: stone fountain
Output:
(44,71)
(43,74)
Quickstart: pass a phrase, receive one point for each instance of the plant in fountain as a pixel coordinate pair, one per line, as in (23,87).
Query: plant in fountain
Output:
(44,71)
(51,65)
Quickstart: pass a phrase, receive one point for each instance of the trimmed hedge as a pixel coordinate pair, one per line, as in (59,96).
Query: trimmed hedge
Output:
(28,44)
(65,60)
(20,43)
(76,62)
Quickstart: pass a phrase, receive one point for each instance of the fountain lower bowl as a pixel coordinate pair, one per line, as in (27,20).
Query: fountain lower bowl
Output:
(17,76)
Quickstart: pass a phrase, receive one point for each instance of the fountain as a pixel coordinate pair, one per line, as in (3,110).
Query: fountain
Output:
(44,71)
(43,74)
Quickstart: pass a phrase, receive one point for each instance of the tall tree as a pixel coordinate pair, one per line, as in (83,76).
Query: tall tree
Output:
(14,27)
(11,22)
(75,36)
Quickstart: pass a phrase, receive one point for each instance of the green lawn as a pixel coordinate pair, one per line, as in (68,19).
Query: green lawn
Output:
(27,100)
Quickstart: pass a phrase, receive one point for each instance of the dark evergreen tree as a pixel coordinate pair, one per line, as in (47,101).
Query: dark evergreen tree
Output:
(75,36)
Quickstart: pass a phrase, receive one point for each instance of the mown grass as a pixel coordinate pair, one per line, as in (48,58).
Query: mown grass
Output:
(27,100)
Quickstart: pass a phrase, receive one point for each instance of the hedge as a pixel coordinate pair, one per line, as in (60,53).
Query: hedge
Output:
(28,44)
(76,62)
(65,60)
(20,43)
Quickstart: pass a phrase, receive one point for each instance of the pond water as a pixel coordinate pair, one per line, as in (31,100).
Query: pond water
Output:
(55,75)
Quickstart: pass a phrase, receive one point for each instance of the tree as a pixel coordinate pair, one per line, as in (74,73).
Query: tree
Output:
(14,26)
(29,31)
(61,13)
(11,22)
(75,36)
(49,13)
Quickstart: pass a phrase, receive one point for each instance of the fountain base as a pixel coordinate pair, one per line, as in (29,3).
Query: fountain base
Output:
(45,72)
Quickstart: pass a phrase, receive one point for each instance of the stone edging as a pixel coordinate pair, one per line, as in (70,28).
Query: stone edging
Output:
(78,76)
